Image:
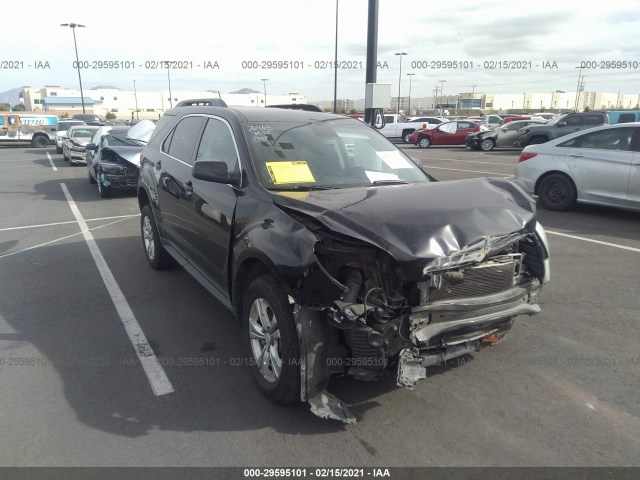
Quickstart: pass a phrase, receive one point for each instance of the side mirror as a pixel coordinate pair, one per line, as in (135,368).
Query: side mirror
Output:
(215,172)
(561,124)
(90,146)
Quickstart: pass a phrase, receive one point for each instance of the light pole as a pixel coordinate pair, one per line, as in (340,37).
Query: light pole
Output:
(135,94)
(441,92)
(410,75)
(168,64)
(264,85)
(73,26)
(335,68)
(401,54)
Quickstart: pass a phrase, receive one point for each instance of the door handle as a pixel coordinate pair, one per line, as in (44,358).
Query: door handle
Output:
(577,155)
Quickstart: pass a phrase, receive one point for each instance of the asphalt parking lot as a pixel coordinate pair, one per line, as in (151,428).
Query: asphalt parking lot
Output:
(562,390)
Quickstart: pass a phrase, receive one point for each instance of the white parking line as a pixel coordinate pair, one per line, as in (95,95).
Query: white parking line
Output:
(156,375)
(472,161)
(57,239)
(428,167)
(67,222)
(590,240)
(51,162)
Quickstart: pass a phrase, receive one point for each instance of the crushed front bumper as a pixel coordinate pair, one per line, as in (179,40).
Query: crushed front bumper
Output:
(448,329)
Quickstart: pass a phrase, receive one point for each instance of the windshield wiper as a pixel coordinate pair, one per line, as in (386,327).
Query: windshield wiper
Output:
(389,182)
(304,188)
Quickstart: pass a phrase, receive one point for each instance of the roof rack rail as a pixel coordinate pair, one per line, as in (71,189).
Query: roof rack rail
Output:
(205,102)
(298,106)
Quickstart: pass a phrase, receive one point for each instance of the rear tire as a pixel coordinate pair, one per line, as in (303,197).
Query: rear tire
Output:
(557,192)
(40,142)
(538,140)
(270,334)
(406,135)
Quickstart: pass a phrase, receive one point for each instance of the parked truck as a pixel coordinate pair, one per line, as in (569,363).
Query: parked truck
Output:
(18,128)
(559,126)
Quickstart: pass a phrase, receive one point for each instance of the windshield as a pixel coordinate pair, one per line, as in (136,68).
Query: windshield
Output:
(326,154)
(82,133)
(553,121)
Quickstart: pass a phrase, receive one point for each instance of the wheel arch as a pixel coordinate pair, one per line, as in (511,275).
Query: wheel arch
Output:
(541,178)
(248,269)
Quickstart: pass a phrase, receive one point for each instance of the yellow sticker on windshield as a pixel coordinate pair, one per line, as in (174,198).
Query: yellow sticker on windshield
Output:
(289,172)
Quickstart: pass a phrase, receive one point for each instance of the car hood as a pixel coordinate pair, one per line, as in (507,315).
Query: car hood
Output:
(424,226)
(81,141)
(125,154)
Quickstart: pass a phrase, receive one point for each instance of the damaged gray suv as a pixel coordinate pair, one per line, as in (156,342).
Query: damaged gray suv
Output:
(337,253)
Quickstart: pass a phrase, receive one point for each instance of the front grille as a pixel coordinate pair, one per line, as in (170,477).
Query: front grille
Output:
(487,278)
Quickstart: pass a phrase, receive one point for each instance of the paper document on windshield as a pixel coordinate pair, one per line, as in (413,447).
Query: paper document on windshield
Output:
(394,159)
(377,176)
(289,172)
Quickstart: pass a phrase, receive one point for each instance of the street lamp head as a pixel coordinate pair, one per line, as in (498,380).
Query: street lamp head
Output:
(71,25)
(401,53)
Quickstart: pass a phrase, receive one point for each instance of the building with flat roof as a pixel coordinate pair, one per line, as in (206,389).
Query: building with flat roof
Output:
(127,104)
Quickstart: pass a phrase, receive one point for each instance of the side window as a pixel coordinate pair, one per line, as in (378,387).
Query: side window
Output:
(593,120)
(627,117)
(610,139)
(184,137)
(388,119)
(573,121)
(217,144)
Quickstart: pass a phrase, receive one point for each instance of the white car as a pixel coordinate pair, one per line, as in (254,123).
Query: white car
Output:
(61,131)
(599,166)
(421,123)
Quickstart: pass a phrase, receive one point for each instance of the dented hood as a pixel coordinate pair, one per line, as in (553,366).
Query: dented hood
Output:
(419,223)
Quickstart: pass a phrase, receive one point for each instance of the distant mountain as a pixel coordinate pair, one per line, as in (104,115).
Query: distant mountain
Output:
(12,97)
(246,90)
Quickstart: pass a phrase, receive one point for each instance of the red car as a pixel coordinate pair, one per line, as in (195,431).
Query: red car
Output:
(449,133)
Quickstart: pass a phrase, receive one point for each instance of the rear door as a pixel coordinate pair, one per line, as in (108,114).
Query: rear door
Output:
(601,162)
(463,129)
(174,183)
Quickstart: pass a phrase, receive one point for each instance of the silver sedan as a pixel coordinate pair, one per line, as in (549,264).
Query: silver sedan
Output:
(599,166)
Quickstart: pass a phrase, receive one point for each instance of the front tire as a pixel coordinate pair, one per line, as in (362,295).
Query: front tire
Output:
(156,255)
(557,192)
(424,142)
(105,192)
(487,144)
(270,334)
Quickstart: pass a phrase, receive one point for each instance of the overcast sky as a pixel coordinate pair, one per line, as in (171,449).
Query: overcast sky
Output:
(534,33)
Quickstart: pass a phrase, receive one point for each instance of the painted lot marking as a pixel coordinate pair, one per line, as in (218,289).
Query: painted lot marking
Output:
(57,239)
(428,167)
(67,222)
(156,375)
(51,162)
(599,242)
(472,161)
